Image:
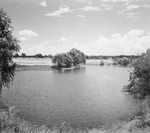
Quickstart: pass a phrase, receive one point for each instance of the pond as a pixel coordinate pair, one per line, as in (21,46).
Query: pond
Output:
(86,97)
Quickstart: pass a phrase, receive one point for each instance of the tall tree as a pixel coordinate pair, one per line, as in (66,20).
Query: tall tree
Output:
(9,45)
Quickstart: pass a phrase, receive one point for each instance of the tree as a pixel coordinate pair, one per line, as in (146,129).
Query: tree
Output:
(62,60)
(68,61)
(23,55)
(139,85)
(50,56)
(16,55)
(77,56)
(39,56)
(8,46)
(72,58)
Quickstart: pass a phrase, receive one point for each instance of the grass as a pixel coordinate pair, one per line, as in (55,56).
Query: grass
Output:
(10,123)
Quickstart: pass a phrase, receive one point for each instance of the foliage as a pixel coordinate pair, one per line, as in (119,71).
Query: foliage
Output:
(10,123)
(77,56)
(72,58)
(38,56)
(16,55)
(139,85)
(121,61)
(23,55)
(8,46)
(101,63)
(62,60)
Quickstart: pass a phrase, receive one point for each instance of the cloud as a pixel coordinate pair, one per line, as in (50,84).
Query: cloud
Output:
(146,6)
(28,33)
(80,16)
(117,0)
(133,42)
(23,39)
(43,3)
(132,15)
(90,8)
(63,9)
(106,6)
(132,7)
(129,15)
(63,39)
(85,1)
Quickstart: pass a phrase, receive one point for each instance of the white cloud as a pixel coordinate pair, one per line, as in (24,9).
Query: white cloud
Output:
(85,1)
(90,8)
(146,6)
(129,15)
(43,3)
(133,42)
(23,39)
(63,39)
(106,6)
(28,33)
(132,7)
(117,0)
(63,9)
(132,16)
(80,16)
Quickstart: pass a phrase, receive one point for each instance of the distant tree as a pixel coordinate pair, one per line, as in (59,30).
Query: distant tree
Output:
(124,61)
(72,58)
(50,56)
(101,63)
(139,85)
(23,55)
(39,56)
(16,55)
(62,60)
(8,46)
(68,61)
(77,56)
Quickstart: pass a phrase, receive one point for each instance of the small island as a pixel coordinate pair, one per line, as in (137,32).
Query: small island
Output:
(72,59)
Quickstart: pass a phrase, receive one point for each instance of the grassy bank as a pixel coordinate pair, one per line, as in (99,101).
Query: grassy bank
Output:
(10,123)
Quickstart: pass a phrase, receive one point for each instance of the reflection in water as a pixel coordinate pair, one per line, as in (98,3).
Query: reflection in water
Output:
(86,97)
(76,70)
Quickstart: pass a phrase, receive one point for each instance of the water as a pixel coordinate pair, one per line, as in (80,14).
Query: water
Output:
(86,97)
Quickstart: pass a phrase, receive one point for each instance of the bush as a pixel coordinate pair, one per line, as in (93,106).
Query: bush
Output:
(72,58)
(101,63)
(139,85)
(121,61)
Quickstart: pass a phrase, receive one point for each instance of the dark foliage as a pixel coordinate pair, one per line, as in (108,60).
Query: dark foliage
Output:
(9,45)
(139,85)
(72,58)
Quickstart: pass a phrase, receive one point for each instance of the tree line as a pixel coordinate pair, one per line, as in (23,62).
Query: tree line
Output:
(23,55)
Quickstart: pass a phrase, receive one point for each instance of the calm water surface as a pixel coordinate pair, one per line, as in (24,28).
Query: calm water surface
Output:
(90,96)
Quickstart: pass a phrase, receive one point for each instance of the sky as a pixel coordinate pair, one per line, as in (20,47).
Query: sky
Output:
(96,27)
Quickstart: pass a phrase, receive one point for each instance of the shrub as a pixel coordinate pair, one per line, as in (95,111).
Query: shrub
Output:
(101,63)
(139,85)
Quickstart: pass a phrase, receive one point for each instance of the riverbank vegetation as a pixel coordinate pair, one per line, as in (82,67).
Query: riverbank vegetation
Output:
(11,123)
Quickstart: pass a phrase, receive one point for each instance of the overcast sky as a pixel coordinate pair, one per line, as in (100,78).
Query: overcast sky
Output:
(96,27)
